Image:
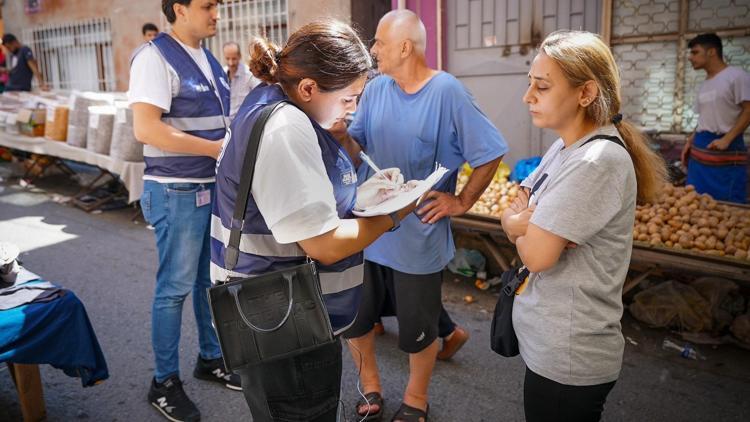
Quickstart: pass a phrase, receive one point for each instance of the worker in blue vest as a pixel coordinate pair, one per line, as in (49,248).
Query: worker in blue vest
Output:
(301,200)
(179,95)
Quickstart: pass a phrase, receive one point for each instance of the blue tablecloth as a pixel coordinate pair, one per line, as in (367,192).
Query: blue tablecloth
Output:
(58,333)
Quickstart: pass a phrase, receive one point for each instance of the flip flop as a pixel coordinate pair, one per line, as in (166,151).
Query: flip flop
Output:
(372,398)
(407,413)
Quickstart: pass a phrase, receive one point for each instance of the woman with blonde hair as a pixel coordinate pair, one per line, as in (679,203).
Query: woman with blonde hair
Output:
(572,226)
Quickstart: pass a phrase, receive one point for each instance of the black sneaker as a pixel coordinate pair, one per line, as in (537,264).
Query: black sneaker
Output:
(170,399)
(213,370)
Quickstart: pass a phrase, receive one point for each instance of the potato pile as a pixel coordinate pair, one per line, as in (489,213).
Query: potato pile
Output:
(495,199)
(683,219)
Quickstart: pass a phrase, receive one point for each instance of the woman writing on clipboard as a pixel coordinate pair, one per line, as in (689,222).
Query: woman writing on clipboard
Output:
(301,202)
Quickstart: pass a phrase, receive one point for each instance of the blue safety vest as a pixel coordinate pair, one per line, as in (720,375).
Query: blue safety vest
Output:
(341,282)
(200,108)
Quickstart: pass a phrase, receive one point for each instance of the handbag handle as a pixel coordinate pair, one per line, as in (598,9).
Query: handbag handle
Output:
(232,253)
(234,291)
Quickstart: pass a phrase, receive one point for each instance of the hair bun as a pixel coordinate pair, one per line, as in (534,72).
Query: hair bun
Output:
(264,59)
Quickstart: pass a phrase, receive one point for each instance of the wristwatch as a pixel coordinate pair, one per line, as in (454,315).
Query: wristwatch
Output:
(396,221)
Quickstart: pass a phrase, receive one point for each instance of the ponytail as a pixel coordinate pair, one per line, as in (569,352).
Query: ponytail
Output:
(650,171)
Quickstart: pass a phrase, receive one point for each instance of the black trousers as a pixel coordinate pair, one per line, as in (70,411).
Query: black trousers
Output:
(545,400)
(304,388)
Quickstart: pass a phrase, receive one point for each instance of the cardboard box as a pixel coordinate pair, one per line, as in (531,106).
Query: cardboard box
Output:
(31,121)
(56,126)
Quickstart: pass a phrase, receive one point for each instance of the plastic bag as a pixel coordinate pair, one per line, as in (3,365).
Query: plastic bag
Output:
(467,262)
(723,297)
(672,304)
(524,168)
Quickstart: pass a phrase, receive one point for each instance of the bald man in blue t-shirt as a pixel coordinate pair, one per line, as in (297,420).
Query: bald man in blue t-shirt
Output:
(413,117)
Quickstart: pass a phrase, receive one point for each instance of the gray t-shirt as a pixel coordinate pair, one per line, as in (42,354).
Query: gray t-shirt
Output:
(568,318)
(719,100)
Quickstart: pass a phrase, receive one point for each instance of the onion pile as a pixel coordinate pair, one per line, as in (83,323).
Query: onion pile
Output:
(496,198)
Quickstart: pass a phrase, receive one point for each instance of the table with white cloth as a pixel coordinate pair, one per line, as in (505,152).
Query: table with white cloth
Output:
(130,173)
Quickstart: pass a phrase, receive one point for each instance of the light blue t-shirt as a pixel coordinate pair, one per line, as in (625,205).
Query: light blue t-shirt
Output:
(441,123)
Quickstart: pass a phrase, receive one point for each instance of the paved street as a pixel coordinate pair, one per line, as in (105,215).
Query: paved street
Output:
(110,262)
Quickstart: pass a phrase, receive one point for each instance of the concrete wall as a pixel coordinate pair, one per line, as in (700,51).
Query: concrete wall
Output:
(305,11)
(126,16)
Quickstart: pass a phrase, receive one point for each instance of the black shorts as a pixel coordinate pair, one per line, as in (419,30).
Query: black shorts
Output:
(416,299)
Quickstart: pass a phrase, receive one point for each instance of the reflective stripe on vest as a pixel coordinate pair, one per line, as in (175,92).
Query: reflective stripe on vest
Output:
(192,124)
(256,244)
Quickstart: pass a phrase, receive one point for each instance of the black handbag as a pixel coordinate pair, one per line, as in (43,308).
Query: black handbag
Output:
(270,316)
(503,340)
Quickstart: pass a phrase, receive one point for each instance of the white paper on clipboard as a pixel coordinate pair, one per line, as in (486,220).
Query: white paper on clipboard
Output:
(405,198)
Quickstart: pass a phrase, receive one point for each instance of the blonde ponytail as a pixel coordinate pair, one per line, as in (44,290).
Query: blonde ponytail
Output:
(650,171)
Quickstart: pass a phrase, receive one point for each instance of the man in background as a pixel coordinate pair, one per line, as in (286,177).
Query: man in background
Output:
(715,153)
(149,31)
(22,66)
(241,80)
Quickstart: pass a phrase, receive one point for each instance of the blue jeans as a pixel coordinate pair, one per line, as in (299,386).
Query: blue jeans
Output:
(183,244)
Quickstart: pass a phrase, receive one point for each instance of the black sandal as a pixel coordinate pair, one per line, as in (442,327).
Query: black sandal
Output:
(407,413)
(371,399)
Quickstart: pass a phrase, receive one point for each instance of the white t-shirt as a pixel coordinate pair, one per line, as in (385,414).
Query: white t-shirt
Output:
(291,186)
(241,85)
(719,100)
(154,81)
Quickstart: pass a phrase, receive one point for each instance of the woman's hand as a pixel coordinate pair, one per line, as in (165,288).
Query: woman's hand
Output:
(515,223)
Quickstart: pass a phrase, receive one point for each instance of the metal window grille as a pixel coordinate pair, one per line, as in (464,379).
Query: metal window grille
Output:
(512,23)
(243,19)
(649,41)
(75,55)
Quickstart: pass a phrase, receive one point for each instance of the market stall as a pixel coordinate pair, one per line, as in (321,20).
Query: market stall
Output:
(683,231)
(130,173)
(91,128)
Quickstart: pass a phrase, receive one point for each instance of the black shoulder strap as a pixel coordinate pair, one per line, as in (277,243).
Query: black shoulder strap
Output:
(231,255)
(614,139)
(538,184)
